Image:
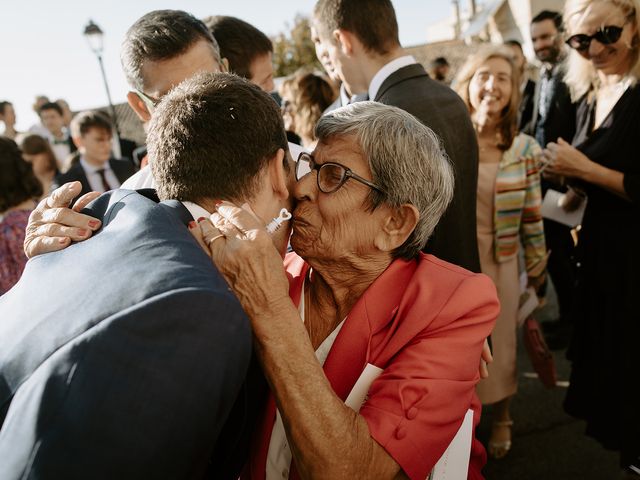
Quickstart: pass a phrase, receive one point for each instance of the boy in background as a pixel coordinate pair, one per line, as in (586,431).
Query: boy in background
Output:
(92,165)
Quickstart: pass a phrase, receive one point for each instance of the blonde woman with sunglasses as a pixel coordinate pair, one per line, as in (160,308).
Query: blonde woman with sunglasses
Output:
(603,161)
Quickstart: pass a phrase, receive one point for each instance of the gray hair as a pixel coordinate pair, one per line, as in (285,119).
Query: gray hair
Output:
(406,159)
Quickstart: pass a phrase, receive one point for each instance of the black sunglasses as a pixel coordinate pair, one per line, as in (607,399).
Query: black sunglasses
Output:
(331,175)
(605,35)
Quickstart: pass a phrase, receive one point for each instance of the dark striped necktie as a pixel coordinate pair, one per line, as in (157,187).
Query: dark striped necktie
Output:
(103,178)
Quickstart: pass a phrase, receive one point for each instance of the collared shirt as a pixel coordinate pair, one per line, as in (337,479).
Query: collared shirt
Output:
(93,177)
(345,99)
(196,210)
(546,81)
(141,179)
(391,67)
(61,148)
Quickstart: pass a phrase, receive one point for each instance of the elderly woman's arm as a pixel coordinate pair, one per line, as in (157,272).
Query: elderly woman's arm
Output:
(414,408)
(327,438)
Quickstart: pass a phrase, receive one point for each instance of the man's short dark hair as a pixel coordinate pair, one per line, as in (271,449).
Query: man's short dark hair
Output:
(372,21)
(161,35)
(50,106)
(240,42)
(555,17)
(513,43)
(17,182)
(211,136)
(439,62)
(3,105)
(85,121)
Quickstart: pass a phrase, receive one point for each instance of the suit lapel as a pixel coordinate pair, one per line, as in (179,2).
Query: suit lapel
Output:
(82,178)
(121,169)
(353,347)
(405,73)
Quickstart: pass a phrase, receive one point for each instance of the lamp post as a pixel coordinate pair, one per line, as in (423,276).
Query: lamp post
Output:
(94,36)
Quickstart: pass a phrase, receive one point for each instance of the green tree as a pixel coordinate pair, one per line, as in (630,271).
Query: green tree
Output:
(295,50)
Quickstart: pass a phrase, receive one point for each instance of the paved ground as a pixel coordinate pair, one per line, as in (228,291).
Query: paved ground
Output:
(547,443)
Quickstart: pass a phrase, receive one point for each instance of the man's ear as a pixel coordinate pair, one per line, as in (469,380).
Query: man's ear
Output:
(138,106)
(345,40)
(278,175)
(77,141)
(398,224)
(224,65)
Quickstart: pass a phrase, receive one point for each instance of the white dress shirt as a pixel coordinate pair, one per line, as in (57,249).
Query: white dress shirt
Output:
(279,454)
(196,210)
(391,67)
(95,182)
(141,179)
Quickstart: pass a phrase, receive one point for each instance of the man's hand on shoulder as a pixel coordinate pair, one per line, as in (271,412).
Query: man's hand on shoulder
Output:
(54,224)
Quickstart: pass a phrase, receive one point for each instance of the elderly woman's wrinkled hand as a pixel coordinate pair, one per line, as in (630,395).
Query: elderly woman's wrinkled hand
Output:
(245,255)
(485,359)
(53,224)
(566,160)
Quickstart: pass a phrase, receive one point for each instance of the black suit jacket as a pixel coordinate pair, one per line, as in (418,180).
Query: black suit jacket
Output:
(560,120)
(122,355)
(525,112)
(123,169)
(442,110)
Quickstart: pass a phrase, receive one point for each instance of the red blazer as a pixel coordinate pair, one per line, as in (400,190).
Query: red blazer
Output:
(424,323)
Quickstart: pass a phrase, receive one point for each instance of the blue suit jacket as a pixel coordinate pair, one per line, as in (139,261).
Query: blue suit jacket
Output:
(120,356)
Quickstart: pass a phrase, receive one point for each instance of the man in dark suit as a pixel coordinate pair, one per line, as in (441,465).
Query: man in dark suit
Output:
(123,354)
(51,116)
(358,40)
(554,117)
(93,166)
(527,86)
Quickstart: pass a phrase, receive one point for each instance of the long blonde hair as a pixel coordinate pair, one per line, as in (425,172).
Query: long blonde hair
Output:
(508,123)
(581,75)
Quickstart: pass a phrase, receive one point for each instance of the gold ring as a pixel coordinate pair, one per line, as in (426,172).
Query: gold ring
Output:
(209,242)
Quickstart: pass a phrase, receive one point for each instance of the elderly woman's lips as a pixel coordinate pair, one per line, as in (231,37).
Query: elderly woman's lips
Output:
(298,220)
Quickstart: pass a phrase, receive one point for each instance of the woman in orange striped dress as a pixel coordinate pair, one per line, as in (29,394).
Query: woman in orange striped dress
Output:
(508,214)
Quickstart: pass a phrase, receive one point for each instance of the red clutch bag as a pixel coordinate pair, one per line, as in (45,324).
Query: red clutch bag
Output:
(539,353)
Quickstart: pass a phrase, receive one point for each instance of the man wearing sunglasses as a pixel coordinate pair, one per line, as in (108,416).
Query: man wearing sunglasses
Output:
(553,117)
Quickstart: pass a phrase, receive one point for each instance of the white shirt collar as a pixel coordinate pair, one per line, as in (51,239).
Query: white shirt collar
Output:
(344,96)
(391,67)
(196,210)
(92,168)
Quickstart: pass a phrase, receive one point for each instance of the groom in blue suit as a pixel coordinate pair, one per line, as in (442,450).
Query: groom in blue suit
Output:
(123,355)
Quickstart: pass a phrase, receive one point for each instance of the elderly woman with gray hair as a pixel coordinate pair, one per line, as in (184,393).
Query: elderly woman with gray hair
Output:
(371,348)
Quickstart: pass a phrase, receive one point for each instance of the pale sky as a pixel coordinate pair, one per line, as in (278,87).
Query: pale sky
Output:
(43,50)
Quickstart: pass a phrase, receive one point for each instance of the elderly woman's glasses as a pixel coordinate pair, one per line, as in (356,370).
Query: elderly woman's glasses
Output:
(605,35)
(331,175)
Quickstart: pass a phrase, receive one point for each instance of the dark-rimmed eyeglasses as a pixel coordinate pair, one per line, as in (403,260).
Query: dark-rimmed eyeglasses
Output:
(605,35)
(331,175)
(150,102)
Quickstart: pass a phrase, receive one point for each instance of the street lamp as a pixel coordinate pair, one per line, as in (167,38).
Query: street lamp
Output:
(94,36)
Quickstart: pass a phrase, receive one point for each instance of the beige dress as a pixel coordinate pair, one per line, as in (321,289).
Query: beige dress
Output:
(502,381)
